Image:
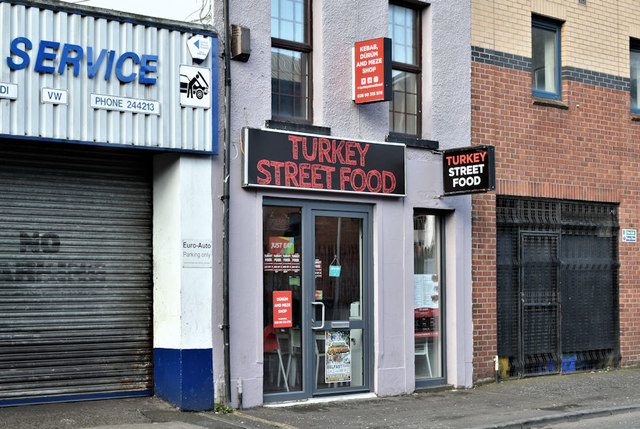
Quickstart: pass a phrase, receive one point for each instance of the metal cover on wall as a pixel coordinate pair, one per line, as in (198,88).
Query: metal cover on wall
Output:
(75,273)
(86,77)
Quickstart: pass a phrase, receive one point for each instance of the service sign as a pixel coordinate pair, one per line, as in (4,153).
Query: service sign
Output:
(372,71)
(469,170)
(90,68)
(277,159)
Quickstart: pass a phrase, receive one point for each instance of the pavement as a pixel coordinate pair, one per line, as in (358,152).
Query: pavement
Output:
(580,400)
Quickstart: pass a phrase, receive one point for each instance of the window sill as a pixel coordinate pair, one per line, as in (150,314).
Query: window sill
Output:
(540,101)
(297,127)
(635,116)
(412,141)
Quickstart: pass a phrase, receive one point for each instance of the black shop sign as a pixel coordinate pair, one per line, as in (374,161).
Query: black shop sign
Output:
(469,170)
(276,159)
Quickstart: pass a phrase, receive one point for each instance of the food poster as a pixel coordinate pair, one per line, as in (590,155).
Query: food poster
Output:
(337,357)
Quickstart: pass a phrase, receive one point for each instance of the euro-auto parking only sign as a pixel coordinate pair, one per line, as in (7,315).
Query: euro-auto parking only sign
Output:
(195,86)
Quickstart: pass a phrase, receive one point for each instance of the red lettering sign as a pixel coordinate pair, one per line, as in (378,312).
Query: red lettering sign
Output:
(307,162)
(372,70)
(282,310)
(469,170)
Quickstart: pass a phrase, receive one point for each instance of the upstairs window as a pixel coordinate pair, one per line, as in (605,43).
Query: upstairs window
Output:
(545,58)
(635,75)
(404,109)
(291,60)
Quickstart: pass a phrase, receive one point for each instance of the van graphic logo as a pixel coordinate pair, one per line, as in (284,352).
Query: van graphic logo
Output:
(195,88)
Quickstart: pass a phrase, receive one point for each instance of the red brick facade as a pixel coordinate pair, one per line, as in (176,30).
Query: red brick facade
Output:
(586,148)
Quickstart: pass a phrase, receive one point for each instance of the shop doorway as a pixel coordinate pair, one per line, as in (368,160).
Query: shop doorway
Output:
(317,262)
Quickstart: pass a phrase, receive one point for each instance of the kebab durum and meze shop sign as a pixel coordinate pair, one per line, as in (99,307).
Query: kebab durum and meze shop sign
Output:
(278,159)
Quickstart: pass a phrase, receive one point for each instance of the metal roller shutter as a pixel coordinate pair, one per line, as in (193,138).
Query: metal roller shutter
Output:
(75,272)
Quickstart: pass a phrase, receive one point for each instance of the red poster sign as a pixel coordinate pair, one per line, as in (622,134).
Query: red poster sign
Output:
(372,72)
(282,311)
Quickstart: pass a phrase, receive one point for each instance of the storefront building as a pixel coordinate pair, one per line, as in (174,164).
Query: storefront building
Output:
(108,137)
(349,271)
(554,89)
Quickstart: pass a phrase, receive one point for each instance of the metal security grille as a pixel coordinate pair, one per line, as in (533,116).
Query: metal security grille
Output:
(75,272)
(557,284)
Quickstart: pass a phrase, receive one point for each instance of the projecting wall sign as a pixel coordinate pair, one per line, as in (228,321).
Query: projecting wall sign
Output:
(469,170)
(372,71)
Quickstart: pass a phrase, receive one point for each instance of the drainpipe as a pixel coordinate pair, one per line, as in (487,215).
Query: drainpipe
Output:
(225,201)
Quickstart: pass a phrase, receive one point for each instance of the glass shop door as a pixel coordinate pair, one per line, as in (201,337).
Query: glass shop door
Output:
(316,300)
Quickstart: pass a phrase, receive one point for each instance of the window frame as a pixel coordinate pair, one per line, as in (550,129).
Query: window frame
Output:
(555,26)
(634,47)
(410,68)
(441,221)
(304,48)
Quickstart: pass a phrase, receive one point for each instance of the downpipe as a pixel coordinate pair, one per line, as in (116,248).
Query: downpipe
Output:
(225,200)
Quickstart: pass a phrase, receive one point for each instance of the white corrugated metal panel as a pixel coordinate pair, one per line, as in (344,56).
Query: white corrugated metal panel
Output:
(177,127)
(75,271)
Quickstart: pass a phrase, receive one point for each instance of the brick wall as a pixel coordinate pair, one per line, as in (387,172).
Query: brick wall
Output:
(587,149)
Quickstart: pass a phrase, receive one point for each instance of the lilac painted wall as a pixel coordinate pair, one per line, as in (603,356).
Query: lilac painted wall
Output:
(446,118)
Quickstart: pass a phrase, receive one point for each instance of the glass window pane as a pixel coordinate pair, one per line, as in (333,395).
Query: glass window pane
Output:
(282,255)
(286,30)
(290,84)
(543,58)
(412,104)
(412,83)
(635,74)
(286,10)
(427,296)
(403,32)
(398,123)
(291,16)
(404,103)
(412,125)
(399,81)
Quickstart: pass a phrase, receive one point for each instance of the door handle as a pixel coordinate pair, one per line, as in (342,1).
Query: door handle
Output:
(322,324)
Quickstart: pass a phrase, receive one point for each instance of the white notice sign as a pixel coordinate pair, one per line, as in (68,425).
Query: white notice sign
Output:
(195,83)
(54,96)
(197,254)
(629,236)
(124,104)
(8,90)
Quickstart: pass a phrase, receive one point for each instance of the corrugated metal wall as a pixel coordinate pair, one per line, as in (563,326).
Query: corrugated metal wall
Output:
(185,128)
(75,271)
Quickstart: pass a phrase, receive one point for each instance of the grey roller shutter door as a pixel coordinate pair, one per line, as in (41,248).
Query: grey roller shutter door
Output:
(75,272)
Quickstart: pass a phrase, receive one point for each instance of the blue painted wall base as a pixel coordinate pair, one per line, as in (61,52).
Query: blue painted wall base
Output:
(184,377)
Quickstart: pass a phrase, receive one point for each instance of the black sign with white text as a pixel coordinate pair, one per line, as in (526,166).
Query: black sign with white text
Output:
(278,159)
(469,170)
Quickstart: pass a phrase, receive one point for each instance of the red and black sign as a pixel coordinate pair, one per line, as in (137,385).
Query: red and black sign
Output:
(469,170)
(322,163)
(372,70)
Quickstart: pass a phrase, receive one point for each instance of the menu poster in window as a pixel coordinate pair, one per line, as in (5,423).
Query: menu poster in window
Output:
(282,311)
(337,357)
(425,291)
